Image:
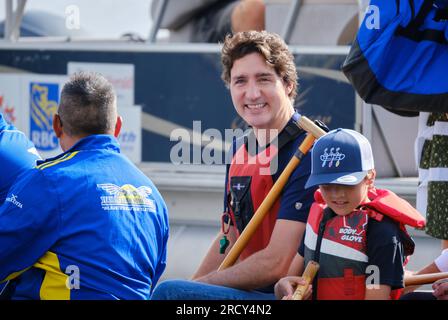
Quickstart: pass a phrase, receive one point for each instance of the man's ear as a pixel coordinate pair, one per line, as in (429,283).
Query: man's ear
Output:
(57,125)
(288,86)
(118,126)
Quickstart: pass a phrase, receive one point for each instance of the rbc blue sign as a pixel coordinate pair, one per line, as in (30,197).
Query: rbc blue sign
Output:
(44,98)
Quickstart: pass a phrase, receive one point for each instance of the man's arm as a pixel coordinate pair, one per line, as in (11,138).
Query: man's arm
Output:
(430,268)
(162,243)
(440,264)
(29,223)
(266,266)
(213,258)
(297,266)
(286,286)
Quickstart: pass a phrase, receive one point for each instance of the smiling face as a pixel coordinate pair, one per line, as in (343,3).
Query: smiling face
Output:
(343,199)
(259,95)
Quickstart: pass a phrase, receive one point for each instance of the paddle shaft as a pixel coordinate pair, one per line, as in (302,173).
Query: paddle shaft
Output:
(308,276)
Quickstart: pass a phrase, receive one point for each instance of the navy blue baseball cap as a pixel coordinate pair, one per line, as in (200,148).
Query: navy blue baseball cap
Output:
(341,156)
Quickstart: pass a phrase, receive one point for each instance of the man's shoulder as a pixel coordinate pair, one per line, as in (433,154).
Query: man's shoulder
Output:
(70,166)
(293,141)
(287,151)
(29,182)
(61,160)
(16,158)
(14,141)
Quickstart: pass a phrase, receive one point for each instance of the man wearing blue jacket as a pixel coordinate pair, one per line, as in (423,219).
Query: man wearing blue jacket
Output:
(17,154)
(86,224)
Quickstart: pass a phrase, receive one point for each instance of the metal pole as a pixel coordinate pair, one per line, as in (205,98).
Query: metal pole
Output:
(291,20)
(158,20)
(18,15)
(8,19)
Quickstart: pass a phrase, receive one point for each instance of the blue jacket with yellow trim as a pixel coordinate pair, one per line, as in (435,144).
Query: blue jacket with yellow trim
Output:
(84,225)
(17,154)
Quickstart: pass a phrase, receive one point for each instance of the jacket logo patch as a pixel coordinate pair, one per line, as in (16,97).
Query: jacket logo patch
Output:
(126,197)
(14,201)
(332,156)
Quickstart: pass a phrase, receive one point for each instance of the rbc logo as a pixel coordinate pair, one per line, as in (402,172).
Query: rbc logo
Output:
(127,137)
(43,104)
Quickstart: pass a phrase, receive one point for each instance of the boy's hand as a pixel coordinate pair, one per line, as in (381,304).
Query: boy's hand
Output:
(285,287)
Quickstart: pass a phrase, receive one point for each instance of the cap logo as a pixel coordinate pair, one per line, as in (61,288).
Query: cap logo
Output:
(331,157)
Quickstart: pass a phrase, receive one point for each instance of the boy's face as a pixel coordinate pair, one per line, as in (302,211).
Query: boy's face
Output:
(343,199)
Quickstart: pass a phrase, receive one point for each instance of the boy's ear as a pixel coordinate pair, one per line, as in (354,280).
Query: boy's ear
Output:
(371,177)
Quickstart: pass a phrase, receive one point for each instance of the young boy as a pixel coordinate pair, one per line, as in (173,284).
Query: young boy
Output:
(354,231)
